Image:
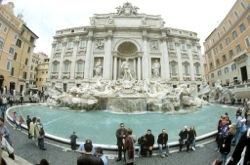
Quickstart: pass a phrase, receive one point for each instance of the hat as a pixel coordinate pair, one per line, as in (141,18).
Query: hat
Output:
(185,127)
(149,130)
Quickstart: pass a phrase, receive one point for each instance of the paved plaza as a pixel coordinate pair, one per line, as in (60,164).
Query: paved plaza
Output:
(60,154)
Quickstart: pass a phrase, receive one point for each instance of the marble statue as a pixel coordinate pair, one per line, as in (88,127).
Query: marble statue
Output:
(126,71)
(156,68)
(98,68)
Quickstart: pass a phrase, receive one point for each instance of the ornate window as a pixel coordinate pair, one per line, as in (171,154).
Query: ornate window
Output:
(55,66)
(79,66)
(66,66)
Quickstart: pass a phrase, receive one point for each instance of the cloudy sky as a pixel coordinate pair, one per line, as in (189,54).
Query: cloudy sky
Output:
(44,17)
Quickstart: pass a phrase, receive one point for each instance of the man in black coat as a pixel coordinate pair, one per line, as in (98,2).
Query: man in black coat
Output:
(184,138)
(120,135)
(150,141)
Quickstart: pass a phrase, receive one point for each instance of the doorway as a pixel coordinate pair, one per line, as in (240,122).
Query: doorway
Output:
(12,87)
(243,71)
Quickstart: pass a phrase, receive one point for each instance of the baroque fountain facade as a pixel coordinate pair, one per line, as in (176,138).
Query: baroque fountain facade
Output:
(126,61)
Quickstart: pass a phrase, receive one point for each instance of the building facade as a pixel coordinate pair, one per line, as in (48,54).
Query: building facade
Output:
(125,45)
(17,42)
(42,72)
(227,57)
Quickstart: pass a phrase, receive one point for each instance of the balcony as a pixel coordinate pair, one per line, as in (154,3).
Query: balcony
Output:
(79,75)
(54,75)
(241,57)
(187,77)
(198,77)
(65,75)
(174,76)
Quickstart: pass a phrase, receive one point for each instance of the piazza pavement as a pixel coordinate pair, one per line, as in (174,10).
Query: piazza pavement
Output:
(61,154)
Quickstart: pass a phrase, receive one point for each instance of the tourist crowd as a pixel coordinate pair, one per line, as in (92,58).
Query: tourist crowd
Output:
(229,134)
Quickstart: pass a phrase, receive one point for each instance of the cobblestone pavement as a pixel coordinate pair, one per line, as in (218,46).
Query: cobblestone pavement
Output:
(60,154)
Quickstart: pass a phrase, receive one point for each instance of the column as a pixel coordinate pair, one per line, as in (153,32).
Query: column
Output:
(139,68)
(88,56)
(165,59)
(145,58)
(115,68)
(61,69)
(73,60)
(179,62)
(107,66)
(191,64)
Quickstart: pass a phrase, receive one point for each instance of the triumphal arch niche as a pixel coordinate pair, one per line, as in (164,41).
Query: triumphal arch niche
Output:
(125,45)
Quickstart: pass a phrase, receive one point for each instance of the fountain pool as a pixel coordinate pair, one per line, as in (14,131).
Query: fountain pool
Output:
(100,126)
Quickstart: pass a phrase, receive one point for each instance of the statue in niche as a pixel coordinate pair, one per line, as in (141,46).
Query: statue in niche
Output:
(98,68)
(100,44)
(126,71)
(156,68)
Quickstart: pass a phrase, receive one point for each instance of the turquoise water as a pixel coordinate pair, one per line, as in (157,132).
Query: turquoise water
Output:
(100,126)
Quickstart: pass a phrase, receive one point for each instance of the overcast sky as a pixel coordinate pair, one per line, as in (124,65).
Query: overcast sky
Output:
(44,17)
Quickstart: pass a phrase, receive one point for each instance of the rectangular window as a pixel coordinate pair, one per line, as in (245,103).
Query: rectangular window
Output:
(224,58)
(243,5)
(217,62)
(221,46)
(26,61)
(32,39)
(234,34)
(231,53)
(1,44)
(24,75)
(236,14)
(209,55)
(238,48)
(70,45)
(227,41)
(28,50)
(19,43)
(12,71)
(11,50)
(15,56)
(242,27)
(248,18)
(247,40)
(8,65)
(215,51)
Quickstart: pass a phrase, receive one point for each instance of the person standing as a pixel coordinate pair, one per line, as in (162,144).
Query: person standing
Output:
(40,134)
(4,131)
(73,138)
(28,120)
(162,143)
(150,140)
(21,121)
(120,136)
(14,118)
(32,128)
(225,145)
(184,138)
(129,147)
(192,136)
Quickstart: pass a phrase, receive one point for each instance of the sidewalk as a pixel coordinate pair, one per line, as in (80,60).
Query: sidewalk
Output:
(60,154)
